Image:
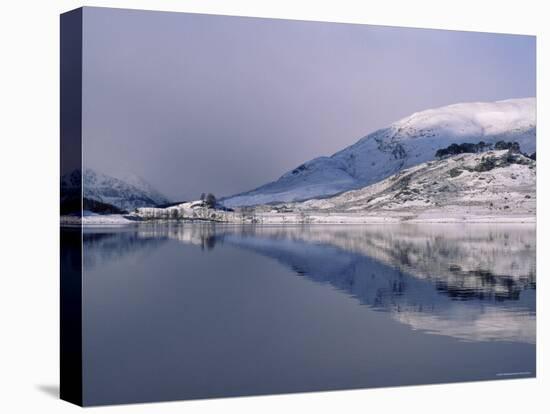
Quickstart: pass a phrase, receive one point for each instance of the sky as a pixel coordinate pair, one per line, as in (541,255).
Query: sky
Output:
(201,103)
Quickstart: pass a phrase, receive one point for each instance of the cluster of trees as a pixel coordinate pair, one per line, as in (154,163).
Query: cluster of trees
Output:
(511,146)
(468,147)
(209,199)
(196,213)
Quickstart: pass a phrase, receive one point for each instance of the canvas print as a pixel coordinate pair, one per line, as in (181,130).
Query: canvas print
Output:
(260,206)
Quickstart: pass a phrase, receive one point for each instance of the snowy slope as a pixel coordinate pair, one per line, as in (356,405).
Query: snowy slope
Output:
(121,193)
(145,187)
(408,142)
(489,183)
(126,195)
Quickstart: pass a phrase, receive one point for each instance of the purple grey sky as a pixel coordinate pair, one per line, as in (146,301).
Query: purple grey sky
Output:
(219,104)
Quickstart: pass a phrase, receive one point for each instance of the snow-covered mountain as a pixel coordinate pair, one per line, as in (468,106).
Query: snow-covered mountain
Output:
(405,143)
(491,183)
(127,194)
(145,187)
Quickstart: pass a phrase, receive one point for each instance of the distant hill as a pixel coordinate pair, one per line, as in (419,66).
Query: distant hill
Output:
(106,194)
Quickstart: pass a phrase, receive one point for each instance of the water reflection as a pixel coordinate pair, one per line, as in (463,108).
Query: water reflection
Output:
(473,282)
(102,246)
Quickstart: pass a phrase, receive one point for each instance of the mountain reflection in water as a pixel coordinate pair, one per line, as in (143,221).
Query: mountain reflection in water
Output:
(471,282)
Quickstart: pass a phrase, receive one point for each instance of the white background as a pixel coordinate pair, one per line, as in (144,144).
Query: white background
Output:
(29,149)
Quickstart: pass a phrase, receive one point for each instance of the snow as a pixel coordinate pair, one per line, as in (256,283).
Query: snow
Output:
(405,143)
(106,219)
(493,186)
(145,187)
(192,210)
(386,177)
(452,189)
(126,195)
(319,217)
(93,219)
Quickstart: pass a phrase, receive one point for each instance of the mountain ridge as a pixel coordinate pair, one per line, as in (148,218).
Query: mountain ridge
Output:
(108,190)
(405,143)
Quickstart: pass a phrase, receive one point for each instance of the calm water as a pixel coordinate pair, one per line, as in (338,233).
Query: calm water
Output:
(195,311)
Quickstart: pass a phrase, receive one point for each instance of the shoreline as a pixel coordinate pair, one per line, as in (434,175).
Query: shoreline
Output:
(269,220)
